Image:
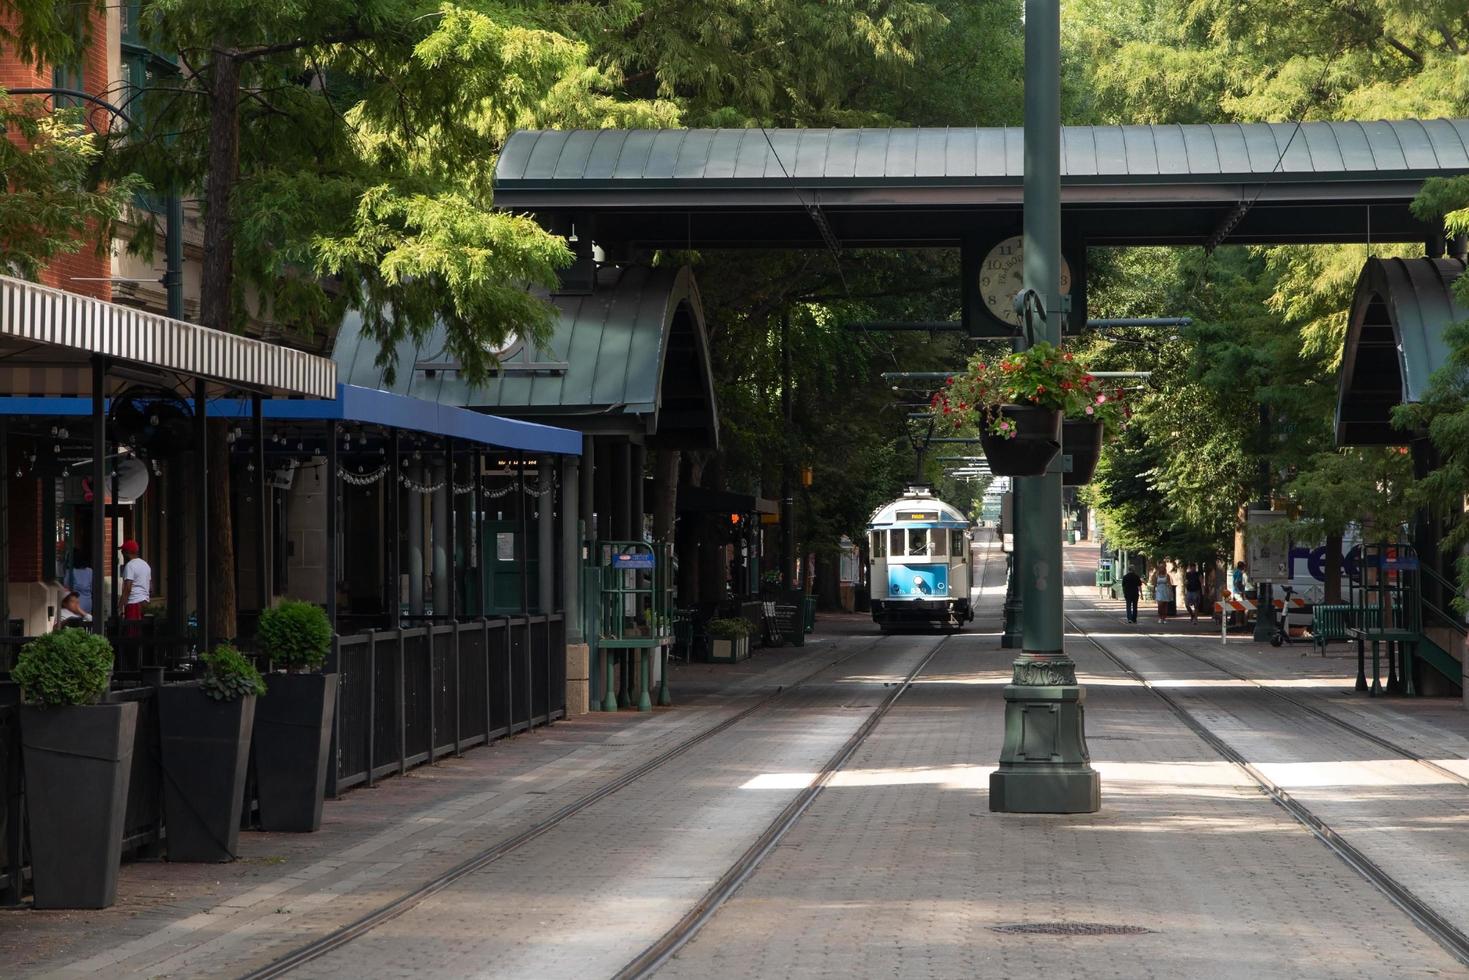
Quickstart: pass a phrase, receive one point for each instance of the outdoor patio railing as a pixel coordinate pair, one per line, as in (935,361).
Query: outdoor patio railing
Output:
(404,698)
(410,696)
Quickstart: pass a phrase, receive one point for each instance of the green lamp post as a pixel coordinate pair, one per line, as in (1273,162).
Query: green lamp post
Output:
(1044,764)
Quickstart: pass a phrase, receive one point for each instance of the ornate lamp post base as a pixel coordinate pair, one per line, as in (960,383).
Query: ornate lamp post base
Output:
(1044,764)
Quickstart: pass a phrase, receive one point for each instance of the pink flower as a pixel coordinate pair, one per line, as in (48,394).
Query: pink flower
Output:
(1101,398)
(1089,410)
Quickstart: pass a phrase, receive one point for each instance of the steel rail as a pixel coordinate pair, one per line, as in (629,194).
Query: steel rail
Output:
(1324,715)
(1439,929)
(406,902)
(648,962)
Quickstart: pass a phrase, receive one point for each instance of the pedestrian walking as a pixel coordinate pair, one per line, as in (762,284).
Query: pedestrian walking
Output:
(79,579)
(1193,591)
(1239,580)
(1162,592)
(1132,588)
(137,582)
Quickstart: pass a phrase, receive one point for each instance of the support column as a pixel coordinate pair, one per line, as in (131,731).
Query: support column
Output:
(545,502)
(395,532)
(621,490)
(604,489)
(415,542)
(262,502)
(333,506)
(99,480)
(637,483)
(48,529)
(201,526)
(451,556)
(1044,764)
(522,553)
(578,661)
(439,519)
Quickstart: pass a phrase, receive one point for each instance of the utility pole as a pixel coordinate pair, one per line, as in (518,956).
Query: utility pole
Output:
(1044,764)
(787,478)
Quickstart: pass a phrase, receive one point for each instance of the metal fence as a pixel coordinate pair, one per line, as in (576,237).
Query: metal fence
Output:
(409,696)
(404,697)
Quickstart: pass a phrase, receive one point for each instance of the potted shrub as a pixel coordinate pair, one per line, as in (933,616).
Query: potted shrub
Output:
(77,754)
(1099,416)
(293,723)
(729,639)
(204,730)
(1017,401)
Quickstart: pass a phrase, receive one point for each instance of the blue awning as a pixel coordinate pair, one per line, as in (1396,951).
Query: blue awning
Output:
(363,405)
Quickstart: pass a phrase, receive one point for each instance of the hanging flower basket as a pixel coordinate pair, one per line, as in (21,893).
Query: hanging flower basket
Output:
(1081,439)
(1021,440)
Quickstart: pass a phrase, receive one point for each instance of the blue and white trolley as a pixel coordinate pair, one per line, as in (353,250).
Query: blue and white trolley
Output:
(920,563)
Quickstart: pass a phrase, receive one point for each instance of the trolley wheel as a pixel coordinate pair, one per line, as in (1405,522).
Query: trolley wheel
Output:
(1276,639)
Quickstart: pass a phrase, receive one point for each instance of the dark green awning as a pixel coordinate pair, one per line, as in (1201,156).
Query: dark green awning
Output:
(631,356)
(1394,344)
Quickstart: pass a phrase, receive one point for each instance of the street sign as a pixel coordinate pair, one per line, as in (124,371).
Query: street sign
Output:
(634,560)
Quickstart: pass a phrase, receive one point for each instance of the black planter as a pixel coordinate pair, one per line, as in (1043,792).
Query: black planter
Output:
(1036,442)
(206,751)
(78,762)
(1082,441)
(293,732)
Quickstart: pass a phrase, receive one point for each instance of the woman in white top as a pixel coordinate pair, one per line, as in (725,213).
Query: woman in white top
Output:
(1162,592)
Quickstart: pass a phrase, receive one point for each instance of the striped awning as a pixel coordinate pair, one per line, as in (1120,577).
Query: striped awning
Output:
(48,337)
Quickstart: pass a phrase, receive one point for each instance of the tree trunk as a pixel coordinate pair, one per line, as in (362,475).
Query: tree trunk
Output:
(214,311)
(1333,568)
(665,493)
(1239,535)
(828,575)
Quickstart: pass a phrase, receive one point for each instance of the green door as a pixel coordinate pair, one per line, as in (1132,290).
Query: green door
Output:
(501,548)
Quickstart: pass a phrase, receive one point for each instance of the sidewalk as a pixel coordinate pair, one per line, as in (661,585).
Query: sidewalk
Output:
(376,843)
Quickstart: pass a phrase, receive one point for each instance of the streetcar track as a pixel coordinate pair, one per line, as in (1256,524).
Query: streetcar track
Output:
(1423,915)
(405,903)
(386,913)
(679,935)
(652,958)
(1323,714)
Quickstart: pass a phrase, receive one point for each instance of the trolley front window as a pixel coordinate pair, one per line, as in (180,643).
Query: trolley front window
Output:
(879,544)
(917,542)
(895,543)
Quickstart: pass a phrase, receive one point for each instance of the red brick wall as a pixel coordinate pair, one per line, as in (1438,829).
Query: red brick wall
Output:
(85,271)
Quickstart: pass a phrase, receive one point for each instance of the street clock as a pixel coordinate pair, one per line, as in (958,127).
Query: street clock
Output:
(1002,276)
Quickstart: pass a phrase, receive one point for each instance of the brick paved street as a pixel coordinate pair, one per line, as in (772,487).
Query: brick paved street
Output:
(897,869)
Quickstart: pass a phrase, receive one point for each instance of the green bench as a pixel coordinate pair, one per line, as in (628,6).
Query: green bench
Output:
(1335,622)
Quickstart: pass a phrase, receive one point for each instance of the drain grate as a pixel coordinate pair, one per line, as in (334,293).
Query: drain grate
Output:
(1069,929)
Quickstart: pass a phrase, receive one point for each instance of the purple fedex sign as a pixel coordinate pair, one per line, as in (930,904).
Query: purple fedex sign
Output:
(1308,569)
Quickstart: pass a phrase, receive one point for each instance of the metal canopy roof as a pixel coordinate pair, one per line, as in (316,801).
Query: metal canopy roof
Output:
(632,356)
(48,337)
(1394,344)
(1120,184)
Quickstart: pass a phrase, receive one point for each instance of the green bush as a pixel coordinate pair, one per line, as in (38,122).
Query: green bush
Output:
(728,629)
(69,666)
(229,676)
(295,635)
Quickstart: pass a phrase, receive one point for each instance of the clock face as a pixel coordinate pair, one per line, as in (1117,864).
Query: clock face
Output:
(1002,275)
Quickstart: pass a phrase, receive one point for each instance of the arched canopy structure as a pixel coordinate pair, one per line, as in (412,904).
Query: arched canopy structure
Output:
(630,356)
(1394,343)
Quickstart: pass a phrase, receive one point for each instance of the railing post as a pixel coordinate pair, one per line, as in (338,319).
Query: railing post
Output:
(433,714)
(334,758)
(371,703)
(458,689)
(402,705)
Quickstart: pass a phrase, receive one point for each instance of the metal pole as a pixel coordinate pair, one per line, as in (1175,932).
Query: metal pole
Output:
(787,476)
(262,504)
(453,541)
(522,553)
(333,481)
(395,533)
(48,529)
(1044,681)
(415,542)
(545,536)
(439,535)
(571,505)
(99,481)
(201,528)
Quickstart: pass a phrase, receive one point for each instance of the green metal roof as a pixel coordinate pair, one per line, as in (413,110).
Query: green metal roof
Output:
(848,157)
(1121,185)
(1394,344)
(630,356)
